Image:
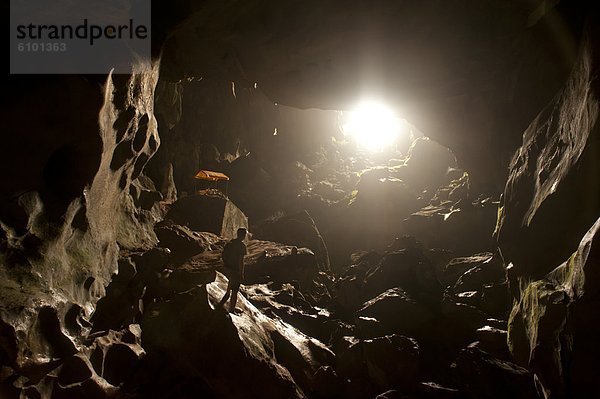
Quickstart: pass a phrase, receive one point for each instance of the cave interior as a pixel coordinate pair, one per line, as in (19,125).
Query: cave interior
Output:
(418,179)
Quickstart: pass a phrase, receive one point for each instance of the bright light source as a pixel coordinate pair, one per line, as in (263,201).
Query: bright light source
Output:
(373,126)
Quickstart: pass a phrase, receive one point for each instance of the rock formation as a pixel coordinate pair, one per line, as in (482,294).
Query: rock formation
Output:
(404,273)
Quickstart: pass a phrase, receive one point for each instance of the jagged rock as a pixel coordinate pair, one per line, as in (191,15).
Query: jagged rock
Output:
(183,242)
(115,355)
(552,329)
(408,269)
(265,261)
(392,361)
(249,341)
(93,388)
(121,302)
(297,229)
(209,211)
(481,376)
(291,306)
(555,168)
(397,311)
(458,266)
(360,264)
(471,298)
(474,279)
(464,229)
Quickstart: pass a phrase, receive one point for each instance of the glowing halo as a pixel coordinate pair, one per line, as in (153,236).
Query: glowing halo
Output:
(373,126)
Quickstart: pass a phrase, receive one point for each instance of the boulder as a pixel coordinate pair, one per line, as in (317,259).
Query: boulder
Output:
(297,229)
(208,211)
(458,266)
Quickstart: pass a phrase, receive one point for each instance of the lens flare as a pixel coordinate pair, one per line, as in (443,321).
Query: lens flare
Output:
(373,126)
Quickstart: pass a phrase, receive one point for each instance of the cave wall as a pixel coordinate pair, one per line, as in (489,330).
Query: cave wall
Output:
(548,235)
(75,146)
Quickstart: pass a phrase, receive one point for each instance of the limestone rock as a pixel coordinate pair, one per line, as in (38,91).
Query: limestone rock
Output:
(555,167)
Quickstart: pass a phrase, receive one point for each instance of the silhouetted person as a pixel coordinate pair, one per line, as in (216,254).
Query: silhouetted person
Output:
(233,260)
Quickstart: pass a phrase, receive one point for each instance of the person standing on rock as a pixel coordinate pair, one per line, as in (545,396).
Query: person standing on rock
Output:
(233,260)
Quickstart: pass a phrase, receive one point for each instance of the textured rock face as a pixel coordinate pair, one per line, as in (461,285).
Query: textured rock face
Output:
(68,205)
(556,167)
(212,212)
(553,329)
